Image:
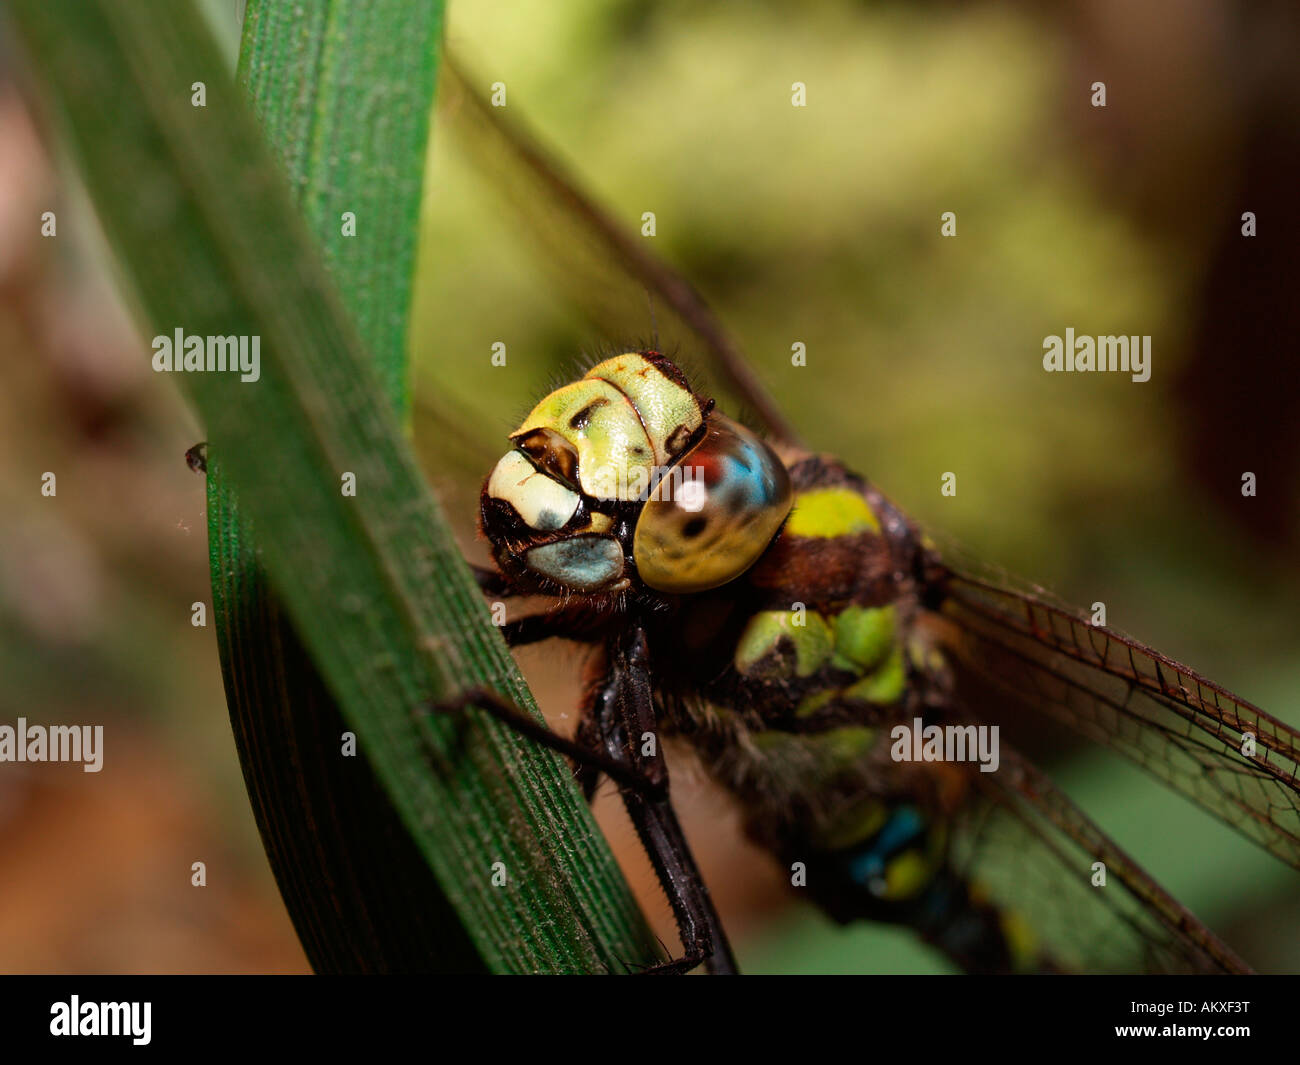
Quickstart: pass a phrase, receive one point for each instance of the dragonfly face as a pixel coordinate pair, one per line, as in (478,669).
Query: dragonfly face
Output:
(627,480)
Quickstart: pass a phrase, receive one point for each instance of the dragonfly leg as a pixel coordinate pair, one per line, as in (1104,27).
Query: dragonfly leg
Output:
(625,716)
(575,622)
(525,724)
(492,581)
(196,458)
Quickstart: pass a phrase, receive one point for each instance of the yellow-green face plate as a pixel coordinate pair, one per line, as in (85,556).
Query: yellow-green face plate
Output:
(669,412)
(624,418)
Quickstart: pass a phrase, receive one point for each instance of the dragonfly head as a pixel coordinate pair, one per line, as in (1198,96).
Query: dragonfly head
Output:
(627,478)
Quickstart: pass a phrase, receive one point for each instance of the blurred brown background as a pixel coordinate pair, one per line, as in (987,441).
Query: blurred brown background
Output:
(818,225)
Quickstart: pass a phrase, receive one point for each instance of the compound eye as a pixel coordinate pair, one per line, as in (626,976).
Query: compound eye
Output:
(715,512)
(550,452)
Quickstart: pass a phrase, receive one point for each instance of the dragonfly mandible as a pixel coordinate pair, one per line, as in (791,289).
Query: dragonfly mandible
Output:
(790,619)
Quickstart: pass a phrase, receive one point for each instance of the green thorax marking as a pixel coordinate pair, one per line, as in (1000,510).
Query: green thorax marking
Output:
(863,636)
(860,642)
(758,652)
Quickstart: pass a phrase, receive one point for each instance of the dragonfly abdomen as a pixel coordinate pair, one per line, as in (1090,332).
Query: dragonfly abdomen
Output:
(898,873)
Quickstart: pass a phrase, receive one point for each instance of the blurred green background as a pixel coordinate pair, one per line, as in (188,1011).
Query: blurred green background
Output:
(819,225)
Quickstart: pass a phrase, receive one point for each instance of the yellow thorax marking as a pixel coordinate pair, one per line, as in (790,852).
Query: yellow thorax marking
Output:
(830,512)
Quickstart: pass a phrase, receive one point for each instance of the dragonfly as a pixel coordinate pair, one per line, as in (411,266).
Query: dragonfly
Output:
(828,663)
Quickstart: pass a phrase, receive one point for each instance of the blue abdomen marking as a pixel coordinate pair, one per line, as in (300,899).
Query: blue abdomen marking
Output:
(905,828)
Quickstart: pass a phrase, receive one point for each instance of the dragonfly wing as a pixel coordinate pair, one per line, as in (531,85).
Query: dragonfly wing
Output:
(1231,757)
(1032,851)
(605,272)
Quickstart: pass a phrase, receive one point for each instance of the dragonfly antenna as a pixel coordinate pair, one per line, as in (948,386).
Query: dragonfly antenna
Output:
(654,326)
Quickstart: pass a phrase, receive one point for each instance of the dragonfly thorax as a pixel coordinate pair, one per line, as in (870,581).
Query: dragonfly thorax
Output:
(627,478)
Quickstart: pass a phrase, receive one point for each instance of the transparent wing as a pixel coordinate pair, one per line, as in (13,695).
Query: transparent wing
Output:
(1231,757)
(1025,845)
(602,269)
